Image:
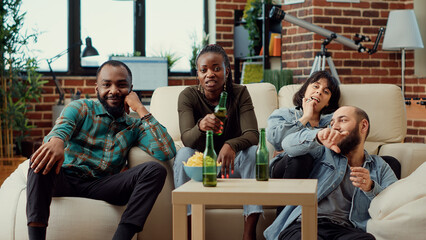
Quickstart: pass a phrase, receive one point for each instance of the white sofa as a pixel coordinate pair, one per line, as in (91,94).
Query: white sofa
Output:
(77,218)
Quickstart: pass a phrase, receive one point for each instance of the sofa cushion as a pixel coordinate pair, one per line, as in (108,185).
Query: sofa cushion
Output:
(164,108)
(383,103)
(398,212)
(264,97)
(410,155)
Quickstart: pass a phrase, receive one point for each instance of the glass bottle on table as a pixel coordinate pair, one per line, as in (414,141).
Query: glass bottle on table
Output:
(220,110)
(262,158)
(209,162)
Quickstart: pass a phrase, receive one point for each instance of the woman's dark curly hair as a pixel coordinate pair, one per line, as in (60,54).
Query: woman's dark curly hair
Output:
(332,84)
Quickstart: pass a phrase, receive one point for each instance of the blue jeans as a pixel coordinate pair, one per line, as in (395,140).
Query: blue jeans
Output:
(244,167)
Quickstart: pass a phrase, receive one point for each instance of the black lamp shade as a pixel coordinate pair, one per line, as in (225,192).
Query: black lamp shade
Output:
(89,50)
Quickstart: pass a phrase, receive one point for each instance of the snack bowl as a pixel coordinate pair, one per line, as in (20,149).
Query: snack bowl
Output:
(196,173)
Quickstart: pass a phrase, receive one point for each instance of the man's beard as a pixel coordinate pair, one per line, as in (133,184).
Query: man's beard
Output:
(350,142)
(116,111)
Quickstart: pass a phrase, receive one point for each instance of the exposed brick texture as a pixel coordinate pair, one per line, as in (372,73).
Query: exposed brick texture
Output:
(299,48)
(41,118)
(346,19)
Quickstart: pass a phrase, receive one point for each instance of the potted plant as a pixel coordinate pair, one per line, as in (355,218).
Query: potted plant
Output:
(171,57)
(194,52)
(20,83)
(195,49)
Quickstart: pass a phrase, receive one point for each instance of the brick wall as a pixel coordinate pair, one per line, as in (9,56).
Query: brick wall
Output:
(299,48)
(300,45)
(41,114)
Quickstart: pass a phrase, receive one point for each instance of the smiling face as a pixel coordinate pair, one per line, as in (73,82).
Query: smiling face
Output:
(318,91)
(212,72)
(112,86)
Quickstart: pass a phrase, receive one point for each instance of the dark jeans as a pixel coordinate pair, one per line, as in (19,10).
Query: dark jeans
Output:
(326,231)
(138,187)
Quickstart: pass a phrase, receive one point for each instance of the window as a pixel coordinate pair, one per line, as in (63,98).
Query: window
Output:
(172,27)
(115,28)
(52,38)
(110,26)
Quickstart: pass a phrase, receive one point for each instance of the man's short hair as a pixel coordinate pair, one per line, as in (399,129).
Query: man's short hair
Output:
(360,115)
(116,63)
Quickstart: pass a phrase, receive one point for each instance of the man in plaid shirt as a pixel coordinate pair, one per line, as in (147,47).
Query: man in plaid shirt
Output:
(85,153)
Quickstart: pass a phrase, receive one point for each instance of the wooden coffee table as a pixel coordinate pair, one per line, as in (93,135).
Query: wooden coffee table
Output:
(275,192)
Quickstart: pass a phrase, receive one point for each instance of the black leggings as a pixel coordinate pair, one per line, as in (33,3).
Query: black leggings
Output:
(292,167)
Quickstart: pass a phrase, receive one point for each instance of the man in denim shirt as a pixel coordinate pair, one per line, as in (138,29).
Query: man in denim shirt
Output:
(85,154)
(348,178)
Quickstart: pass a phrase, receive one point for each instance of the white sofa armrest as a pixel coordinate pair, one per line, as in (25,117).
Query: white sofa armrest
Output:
(410,155)
(11,190)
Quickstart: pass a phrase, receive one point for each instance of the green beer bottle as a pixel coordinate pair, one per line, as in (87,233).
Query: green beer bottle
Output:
(209,162)
(220,109)
(262,158)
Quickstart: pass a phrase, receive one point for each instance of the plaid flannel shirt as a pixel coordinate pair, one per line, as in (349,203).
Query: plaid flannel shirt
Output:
(96,144)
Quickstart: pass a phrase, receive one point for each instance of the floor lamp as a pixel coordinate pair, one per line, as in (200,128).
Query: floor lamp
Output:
(402,33)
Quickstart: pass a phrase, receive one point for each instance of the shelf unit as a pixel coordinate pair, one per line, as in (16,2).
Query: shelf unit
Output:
(267,26)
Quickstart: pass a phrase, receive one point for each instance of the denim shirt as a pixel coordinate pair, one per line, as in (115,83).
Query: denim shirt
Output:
(285,121)
(329,169)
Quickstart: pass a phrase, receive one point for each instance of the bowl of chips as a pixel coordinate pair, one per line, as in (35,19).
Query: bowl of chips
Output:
(194,167)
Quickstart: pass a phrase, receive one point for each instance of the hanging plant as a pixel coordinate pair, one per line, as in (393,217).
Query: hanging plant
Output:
(252,13)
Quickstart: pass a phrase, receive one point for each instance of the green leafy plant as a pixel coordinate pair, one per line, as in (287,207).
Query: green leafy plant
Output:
(20,82)
(171,57)
(278,78)
(251,15)
(196,48)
